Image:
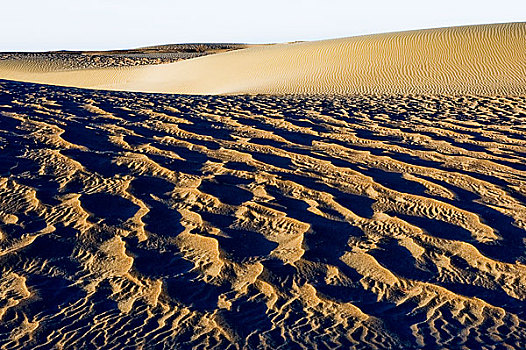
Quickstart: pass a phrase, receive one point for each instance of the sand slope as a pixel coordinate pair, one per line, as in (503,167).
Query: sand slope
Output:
(76,60)
(260,222)
(483,59)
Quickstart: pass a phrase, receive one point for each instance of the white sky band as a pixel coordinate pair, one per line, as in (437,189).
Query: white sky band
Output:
(35,25)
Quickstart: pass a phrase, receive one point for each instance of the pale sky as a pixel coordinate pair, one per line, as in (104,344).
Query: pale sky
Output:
(39,25)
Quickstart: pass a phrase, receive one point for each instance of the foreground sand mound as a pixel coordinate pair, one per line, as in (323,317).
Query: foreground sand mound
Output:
(138,221)
(482,59)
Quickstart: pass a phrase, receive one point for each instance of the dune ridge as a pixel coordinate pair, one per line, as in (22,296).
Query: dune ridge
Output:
(480,59)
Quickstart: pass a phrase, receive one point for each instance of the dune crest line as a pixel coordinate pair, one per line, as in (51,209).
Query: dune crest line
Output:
(479,59)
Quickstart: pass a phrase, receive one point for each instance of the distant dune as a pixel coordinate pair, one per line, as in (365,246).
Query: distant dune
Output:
(74,60)
(481,59)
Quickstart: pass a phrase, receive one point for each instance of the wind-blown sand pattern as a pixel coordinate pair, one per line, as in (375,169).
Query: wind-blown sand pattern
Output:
(241,222)
(482,60)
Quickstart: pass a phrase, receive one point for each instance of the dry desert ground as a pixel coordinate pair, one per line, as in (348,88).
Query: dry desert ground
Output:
(359,193)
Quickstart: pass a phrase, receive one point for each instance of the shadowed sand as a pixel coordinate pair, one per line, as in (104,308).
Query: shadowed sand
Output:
(482,59)
(132,220)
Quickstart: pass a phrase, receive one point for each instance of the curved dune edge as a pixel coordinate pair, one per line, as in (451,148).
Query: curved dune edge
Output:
(481,59)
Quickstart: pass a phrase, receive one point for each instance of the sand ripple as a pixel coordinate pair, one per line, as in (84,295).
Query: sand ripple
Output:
(161,221)
(482,60)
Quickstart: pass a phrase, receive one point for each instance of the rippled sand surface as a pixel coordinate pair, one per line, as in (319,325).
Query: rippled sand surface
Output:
(134,220)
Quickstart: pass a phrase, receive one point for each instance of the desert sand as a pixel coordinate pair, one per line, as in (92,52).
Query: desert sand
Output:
(483,59)
(78,60)
(341,219)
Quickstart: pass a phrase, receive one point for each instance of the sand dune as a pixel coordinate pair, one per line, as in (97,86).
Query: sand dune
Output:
(133,220)
(75,60)
(387,210)
(483,59)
